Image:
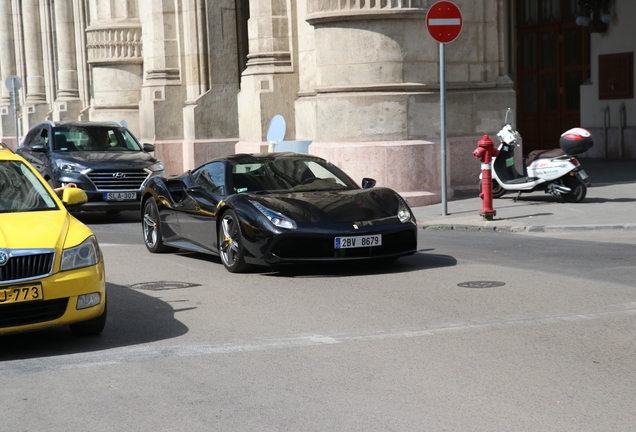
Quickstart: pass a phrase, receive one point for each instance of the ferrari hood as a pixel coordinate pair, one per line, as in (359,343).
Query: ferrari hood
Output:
(334,206)
(34,230)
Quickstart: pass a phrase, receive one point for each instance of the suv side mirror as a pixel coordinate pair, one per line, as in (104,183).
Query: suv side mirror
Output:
(367,183)
(39,147)
(149,147)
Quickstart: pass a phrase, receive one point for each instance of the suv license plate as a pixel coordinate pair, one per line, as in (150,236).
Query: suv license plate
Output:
(21,293)
(120,196)
(358,241)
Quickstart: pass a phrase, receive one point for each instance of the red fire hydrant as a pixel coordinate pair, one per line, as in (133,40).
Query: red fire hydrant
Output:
(485,152)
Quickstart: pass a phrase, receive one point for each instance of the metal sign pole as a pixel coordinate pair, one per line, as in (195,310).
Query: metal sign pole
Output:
(442,107)
(444,22)
(14,102)
(14,83)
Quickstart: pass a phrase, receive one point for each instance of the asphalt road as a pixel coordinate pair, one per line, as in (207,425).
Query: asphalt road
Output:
(479,331)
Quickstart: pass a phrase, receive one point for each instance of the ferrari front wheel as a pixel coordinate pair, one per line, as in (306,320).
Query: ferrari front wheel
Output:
(152,229)
(231,247)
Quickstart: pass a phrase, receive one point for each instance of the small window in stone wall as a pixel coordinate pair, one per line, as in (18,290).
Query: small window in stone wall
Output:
(616,76)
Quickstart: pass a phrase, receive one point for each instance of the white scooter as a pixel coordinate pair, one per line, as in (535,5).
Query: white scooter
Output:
(556,171)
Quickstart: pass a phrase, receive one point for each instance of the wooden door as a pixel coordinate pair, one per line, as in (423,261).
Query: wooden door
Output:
(552,63)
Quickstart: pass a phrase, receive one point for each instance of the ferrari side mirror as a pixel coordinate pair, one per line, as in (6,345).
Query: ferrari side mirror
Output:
(367,183)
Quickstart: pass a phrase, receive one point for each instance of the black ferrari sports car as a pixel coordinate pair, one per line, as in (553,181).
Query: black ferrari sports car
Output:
(275,208)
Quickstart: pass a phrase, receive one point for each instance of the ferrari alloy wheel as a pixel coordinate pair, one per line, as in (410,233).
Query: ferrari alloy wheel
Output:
(152,228)
(231,243)
(579,190)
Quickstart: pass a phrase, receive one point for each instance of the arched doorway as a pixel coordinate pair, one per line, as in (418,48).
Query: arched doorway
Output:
(553,60)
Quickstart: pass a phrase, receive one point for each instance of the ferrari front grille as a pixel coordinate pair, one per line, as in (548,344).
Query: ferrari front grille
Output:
(19,314)
(321,248)
(27,265)
(118,180)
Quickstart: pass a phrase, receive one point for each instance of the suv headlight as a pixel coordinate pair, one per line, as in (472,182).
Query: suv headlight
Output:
(156,167)
(70,167)
(274,217)
(84,255)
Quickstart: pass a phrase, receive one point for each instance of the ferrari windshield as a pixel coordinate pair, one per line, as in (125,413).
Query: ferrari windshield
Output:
(287,174)
(20,189)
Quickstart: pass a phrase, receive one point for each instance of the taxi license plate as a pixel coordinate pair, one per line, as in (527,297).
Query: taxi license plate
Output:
(358,241)
(120,196)
(19,294)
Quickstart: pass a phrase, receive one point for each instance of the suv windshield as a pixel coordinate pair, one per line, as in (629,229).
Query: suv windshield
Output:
(93,138)
(20,189)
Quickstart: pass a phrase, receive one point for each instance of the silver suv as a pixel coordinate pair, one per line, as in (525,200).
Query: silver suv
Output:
(104,159)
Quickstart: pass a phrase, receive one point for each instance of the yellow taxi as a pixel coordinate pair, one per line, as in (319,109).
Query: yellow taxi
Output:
(51,266)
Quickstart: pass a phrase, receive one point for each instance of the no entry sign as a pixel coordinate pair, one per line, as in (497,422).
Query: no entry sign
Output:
(444,21)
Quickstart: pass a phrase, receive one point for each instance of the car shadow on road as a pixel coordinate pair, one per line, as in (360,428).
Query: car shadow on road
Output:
(102,218)
(133,318)
(416,262)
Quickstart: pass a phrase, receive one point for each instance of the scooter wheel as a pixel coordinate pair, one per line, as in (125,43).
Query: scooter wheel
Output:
(579,189)
(497,190)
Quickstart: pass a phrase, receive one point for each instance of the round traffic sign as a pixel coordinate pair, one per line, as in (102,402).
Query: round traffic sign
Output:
(444,21)
(13,82)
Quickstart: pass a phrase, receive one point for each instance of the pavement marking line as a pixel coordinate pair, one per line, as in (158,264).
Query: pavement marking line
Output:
(160,352)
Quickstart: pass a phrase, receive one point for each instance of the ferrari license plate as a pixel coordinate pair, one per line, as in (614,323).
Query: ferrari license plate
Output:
(358,241)
(120,196)
(19,294)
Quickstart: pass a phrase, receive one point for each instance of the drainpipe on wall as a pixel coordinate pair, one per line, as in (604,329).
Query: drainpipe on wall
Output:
(606,127)
(621,129)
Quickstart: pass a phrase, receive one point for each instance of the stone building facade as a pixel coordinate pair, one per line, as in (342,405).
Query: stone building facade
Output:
(357,78)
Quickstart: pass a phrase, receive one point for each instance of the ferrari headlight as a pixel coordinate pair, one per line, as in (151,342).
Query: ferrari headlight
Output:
(84,255)
(70,167)
(274,217)
(403,214)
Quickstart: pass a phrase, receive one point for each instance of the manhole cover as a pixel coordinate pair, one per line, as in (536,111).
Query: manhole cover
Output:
(163,285)
(481,284)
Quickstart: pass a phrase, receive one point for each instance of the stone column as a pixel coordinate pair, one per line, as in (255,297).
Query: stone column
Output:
(36,107)
(270,82)
(67,104)
(113,42)
(372,106)
(162,95)
(7,67)
(210,75)
(65,37)
(35,87)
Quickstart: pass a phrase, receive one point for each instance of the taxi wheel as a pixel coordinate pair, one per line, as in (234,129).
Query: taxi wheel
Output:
(91,327)
(151,227)
(231,247)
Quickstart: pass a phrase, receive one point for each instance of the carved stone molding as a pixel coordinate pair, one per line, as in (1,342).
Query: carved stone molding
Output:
(324,11)
(118,45)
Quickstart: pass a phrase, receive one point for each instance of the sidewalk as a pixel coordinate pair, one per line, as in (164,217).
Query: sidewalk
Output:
(610,204)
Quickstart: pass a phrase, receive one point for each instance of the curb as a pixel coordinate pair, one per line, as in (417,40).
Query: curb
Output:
(531,228)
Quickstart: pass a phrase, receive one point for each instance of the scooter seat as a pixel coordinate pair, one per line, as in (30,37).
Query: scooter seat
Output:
(543,154)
